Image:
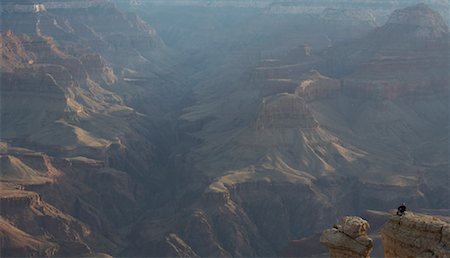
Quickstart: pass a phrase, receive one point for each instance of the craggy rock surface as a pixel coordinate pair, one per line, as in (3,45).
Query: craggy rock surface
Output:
(416,235)
(348,239)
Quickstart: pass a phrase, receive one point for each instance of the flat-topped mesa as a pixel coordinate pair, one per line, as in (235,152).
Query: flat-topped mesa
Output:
(415,235)
(348,239)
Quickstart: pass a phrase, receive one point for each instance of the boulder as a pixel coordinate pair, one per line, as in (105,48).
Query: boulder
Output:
(348,239)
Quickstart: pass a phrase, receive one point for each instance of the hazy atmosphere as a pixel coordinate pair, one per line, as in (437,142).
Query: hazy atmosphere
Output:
(224,128)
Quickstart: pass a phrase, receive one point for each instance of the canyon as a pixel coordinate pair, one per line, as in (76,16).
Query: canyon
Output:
(212,128)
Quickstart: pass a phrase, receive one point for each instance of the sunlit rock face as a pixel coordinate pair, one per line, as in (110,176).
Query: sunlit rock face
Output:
(348,239)
(24,210)
(409,235)
(415,235)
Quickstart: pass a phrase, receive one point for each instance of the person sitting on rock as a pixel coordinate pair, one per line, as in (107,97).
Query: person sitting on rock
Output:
(401,209)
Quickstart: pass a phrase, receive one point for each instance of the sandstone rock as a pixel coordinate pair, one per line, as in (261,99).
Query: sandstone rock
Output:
(15,242)
(30,226)
(415,235)
(348,239)
(354,226)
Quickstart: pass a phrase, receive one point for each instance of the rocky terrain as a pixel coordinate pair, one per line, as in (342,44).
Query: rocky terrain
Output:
(410,235)
(416,235)
(254,129)
(66,131)
(348,239)
(338,130)
(30,226)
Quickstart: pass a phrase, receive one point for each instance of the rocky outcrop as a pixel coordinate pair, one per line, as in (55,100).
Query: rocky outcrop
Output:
(416,235)
(18,200)
(318,87)
(31,227)
(426,22)
(409,44)
(348,239)
(15,242)
(285,111)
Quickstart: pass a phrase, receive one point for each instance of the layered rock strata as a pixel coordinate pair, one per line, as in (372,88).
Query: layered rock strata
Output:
(348,239)
(416,235)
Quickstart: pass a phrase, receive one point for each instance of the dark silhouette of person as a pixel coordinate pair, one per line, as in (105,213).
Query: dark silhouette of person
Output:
(401,209)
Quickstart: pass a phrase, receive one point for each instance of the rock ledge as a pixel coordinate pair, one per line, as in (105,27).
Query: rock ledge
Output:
(348,239)
(416,235)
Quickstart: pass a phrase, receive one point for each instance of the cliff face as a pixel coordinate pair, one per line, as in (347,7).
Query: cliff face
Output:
(67,137)
(60,206)
(416,235)
(31,227)
(410,235)
(22,244)
(62,66)
(233,221)
(348,239)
